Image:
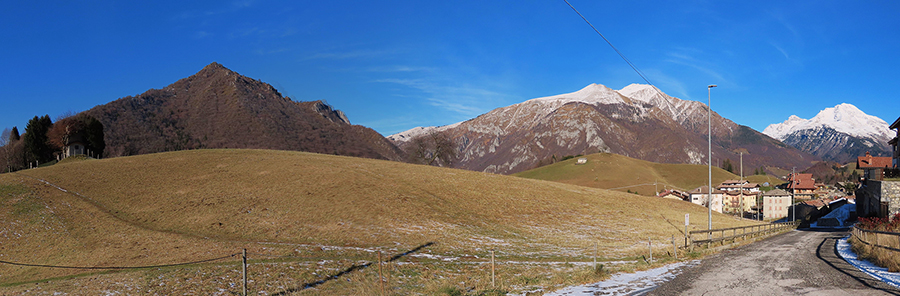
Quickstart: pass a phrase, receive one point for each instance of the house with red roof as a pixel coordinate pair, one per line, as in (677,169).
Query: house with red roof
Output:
(803,186)
(873,166)
(675,194)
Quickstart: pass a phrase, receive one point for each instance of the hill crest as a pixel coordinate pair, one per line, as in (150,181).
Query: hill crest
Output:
(219,108)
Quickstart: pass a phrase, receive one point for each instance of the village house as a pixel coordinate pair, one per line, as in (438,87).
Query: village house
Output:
(803,186)
(675,194)
(733,203)
(776,203)
(736,186)
(873,166)
(699,196)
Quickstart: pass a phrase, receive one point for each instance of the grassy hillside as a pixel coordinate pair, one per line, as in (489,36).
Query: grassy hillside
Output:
(622,173)
(325,212)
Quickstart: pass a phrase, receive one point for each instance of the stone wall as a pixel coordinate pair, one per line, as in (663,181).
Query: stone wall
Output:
(890,192)
(870,197)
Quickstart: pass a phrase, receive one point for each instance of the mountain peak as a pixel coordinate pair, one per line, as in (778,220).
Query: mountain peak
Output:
(591,94)
(215,69)
(214,66)
(844,118)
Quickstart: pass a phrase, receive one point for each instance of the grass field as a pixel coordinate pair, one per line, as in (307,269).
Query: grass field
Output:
(622,173)
(324,214)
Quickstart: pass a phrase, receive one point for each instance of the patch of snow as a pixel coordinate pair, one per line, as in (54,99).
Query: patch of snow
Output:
(418,131)
(637,283)
(880,273)
(591,94)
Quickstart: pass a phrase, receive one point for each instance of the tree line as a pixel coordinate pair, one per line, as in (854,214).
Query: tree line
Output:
(44,140)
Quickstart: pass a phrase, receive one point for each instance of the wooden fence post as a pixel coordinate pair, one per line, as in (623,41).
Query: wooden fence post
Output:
(650,246)
(380,274)
(244,269)
(492,269)
(674,248)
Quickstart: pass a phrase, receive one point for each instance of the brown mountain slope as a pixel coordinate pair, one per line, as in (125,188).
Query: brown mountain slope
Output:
(636,121)
(218,108)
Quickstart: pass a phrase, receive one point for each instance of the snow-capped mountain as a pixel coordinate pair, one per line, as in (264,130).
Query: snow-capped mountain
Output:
(840,133)
(637,121)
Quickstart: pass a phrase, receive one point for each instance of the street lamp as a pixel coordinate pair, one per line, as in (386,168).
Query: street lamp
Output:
(709,147)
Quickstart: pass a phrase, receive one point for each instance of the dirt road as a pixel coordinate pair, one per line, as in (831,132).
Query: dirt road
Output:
(795,263)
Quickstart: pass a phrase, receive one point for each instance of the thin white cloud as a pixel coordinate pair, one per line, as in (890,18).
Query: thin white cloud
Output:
(455,107)
(783,52)
(364,53)
(465,100)
(687,60)
(398,68)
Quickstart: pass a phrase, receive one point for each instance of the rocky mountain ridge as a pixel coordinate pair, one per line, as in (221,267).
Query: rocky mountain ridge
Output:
(839,133)
(638,121)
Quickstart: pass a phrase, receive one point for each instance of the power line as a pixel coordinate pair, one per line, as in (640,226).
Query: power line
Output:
(633,67)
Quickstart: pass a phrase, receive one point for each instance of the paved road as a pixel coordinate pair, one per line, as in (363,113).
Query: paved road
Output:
(795,263)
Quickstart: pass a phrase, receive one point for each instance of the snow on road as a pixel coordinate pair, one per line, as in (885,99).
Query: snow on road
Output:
(880,273)
(637,283)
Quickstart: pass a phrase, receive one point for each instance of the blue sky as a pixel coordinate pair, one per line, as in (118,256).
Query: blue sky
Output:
(395,65)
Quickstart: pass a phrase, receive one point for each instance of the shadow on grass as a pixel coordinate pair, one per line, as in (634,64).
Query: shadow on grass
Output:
(351,269)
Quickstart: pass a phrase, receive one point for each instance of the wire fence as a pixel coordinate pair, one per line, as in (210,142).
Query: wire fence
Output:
(881,239)
(120,267)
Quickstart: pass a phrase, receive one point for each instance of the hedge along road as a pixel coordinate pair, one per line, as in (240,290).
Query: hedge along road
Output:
(800,262)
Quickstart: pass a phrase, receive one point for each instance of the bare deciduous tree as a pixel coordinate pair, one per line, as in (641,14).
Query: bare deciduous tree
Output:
(434,148)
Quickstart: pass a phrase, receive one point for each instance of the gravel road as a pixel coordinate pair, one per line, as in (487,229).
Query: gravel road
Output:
(799,262)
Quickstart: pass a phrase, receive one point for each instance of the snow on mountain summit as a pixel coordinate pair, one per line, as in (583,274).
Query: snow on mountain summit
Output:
(845,118)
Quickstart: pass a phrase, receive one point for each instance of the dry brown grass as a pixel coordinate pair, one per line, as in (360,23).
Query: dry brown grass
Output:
(879,256)
(607,170)
(190,205)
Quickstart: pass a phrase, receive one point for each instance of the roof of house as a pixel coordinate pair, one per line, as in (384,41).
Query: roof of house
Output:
(704,190)
(818,203)
(776,192)
(74,138)
(803,181)
(737,185)
(738,192)
(896,123)
(873,162)
(675,192)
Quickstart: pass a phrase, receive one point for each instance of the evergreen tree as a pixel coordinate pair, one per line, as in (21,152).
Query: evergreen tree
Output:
(93,134)
(728,166)
(36,146)
(14,135)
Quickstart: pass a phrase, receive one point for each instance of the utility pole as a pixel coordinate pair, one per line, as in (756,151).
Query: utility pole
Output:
(709,151)
(742,185)
(793,188)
